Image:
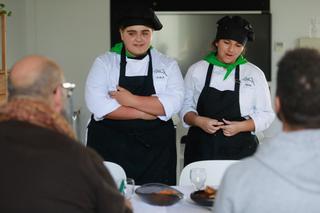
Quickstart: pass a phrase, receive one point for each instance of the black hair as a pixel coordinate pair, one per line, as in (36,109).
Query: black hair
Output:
(298,88)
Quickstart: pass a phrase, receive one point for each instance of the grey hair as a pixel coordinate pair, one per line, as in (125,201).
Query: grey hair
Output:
(45,84)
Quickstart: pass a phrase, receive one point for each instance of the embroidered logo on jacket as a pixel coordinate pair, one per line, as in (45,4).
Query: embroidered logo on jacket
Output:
(160,73)
(248,81)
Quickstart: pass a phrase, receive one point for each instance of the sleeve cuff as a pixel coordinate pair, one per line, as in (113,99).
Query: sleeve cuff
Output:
(112,105)
(168,105)
(183,113)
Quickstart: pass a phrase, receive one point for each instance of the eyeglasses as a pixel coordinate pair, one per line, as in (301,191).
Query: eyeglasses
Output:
(69,87)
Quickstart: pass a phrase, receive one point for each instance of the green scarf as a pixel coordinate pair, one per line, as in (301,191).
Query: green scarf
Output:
(118,47)
(212,59)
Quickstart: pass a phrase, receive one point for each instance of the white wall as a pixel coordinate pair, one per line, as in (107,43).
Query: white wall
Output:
(74,32)
(71,32)
(16,30)
(290,21)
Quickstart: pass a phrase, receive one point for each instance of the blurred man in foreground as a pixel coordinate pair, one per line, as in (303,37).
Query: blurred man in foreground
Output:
(43,169)
(283,175)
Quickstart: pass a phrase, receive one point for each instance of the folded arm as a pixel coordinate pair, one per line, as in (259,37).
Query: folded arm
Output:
(129,113)
(146,104)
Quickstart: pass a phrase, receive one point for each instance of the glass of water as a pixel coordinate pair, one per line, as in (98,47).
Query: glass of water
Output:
(129,187)
(198,177)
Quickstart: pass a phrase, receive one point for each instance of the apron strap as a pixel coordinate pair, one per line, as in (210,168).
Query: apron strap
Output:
(208,77)
(236,79)
(123,62)
(149,84)
(150,69)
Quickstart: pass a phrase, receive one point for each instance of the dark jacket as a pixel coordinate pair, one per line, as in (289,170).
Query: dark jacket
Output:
(44,171)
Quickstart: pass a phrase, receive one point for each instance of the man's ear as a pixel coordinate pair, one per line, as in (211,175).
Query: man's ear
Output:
(277,104)
(58,99)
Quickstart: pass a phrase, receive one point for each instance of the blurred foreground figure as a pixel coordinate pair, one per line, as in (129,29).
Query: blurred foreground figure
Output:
(43,169)
(283,175)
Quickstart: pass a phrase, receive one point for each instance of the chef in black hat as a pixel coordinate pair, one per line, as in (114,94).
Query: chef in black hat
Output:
(133,91)
(227,100)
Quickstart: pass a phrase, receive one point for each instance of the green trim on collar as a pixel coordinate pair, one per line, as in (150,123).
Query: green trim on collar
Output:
(212,59)
(118,47)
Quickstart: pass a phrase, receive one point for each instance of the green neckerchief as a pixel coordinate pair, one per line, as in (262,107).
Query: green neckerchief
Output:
(118,47)
(212,59)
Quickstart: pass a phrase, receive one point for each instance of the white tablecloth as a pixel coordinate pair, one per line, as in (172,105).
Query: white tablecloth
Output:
(185,205)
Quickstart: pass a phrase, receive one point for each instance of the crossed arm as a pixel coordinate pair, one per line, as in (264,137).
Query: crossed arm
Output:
(134,106)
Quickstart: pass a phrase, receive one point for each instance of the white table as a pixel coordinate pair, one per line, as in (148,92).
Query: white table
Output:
(185,205)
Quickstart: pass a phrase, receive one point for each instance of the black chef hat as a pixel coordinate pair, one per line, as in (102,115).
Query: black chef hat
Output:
(140,15)
(235,28)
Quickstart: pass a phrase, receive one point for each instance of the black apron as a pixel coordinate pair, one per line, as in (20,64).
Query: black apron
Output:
(217,104)
(146,149)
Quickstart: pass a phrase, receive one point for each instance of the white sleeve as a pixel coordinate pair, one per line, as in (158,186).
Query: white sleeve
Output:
(262,113)
(172,97)
(98,85)
(189,104)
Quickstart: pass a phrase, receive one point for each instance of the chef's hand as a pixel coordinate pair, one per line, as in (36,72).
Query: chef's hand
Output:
(231,128)
(208,125)
(123,96)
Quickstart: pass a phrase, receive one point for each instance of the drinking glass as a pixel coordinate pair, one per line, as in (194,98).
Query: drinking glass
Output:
(129,188)
(198,177)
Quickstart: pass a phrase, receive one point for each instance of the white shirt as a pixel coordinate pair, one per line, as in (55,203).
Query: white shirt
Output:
(104,77)
(254,94)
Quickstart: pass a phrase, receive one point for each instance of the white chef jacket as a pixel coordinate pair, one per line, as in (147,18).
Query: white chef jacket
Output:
(254,94)
(104,77)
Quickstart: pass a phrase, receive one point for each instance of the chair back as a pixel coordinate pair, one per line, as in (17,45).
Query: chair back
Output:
(116,171)
(214,170)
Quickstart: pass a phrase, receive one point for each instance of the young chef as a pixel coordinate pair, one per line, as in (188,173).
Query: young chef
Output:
(132,92)
(227,98)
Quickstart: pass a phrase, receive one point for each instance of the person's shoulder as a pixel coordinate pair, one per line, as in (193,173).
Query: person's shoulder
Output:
(198,67)
(73,151)
(161,58)
(107,57)
(28,129)
(252,70)
(244,168)
(251,66)
(70,152)
(199,64)
(39,137)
